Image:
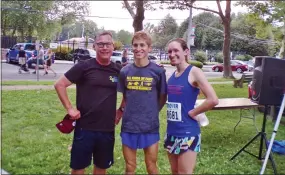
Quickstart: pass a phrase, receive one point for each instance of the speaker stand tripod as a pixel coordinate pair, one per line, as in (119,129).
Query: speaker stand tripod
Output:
(274,134)
(263,139)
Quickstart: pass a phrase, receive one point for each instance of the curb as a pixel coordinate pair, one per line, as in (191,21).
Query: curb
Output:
(55,62)
(31,87)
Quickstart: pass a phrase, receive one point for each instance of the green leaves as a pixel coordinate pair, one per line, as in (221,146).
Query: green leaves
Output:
(165,31)
(39,18)
(124,37)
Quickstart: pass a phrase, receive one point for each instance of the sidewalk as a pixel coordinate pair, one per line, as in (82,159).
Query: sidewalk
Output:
(31,87)
(55,61)
(51,87)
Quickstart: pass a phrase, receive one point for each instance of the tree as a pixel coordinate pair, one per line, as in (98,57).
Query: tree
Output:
(226,21)
(118,45)
(207,33)
(165,31)
(138,17)
(76,29)
(274,11)
(140,6)
(251,35)
(124,37)
(39,18)
(149,28)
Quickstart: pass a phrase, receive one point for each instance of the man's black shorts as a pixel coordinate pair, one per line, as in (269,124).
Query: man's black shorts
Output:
(87,143)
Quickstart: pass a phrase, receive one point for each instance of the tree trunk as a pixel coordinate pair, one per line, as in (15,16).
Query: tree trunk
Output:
(3,25)
(282,49)
(139,17)
(226,49)
(22,35)
(227,38)
(14,31)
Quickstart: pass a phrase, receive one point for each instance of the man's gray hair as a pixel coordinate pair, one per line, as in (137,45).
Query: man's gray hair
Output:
(102,34)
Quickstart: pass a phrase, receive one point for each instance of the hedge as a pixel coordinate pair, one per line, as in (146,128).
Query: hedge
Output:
(192,62)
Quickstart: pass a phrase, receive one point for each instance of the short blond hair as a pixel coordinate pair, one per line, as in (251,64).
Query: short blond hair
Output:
(142,35)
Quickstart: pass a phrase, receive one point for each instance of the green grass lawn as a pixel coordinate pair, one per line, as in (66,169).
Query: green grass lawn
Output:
(220,79)
(12,83)
(31,144)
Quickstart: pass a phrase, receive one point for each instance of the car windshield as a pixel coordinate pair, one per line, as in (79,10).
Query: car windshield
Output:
(116,54)
(30,47)
(92,53)
(250,63)
(236,62)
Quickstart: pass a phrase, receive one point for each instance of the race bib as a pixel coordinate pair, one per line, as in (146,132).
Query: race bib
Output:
(174,112)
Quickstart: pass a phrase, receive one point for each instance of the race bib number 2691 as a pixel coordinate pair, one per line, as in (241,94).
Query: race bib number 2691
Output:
(174,111)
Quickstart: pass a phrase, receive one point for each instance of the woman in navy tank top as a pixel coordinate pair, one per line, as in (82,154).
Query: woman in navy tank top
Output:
(182,140)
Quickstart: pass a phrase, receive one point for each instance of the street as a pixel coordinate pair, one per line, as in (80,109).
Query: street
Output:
(10,72)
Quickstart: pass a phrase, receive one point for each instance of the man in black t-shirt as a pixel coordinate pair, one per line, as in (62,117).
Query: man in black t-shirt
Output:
(96,82)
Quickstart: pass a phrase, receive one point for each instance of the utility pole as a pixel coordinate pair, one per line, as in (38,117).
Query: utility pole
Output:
(189,36)
(189,30)
(82,35)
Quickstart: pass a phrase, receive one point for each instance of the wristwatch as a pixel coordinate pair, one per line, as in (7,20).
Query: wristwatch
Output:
(122,109)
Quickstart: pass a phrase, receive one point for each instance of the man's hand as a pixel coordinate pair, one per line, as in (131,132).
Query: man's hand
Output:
(74,113)
(119,115)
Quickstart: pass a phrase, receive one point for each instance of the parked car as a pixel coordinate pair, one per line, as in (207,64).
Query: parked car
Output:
(83,54)
(248,63)
(30,49)
(235,66)
(150,57)
(117,57)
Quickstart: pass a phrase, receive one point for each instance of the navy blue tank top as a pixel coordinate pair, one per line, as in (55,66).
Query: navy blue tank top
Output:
(182,97)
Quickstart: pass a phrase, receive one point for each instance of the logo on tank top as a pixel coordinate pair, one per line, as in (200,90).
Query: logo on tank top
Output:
(174,89)
(113,79)
(139,83)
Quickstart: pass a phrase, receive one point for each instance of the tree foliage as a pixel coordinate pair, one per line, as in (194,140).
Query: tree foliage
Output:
(200,56)
(39,18)
(124,37)
(225,17)
(118,45)
(273,12)
(165,31)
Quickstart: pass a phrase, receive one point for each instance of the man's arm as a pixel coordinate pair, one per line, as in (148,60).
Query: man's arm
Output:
(121,89)
(60,86)
(162,90)
(198,79)
(162,100)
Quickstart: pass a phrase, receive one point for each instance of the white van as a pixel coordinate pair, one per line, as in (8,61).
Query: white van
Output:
(117,57)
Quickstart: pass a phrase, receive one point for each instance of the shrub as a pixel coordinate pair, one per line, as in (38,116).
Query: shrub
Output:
(247,57)
(118,45)
(63,53)
(63,49)
(63,56)
(200,56)
(196,63)
(219,57)
(192,62)
(240,57)
(244,57)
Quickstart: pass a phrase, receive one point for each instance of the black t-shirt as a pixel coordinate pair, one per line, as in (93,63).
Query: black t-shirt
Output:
(96,95)
(22,53)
